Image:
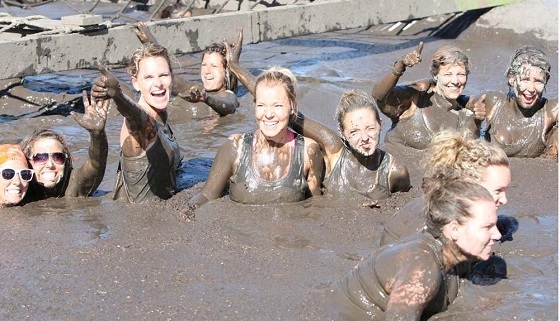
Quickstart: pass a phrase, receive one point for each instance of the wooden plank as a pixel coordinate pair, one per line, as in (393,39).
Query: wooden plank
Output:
(40,54)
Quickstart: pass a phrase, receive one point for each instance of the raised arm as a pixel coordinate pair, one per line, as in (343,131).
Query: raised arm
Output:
(328,139)
(233,52)
(220,172)
(394,100)
(86,179)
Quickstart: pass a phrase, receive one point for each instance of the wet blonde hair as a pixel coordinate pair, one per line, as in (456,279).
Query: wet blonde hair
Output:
(146,51)
(354,100)
(280,76)
(449,197)
(461,152)
(449,55)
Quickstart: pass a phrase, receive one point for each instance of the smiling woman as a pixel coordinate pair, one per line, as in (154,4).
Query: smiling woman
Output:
(150,155)
(423,108)
(273,164)
(16,175)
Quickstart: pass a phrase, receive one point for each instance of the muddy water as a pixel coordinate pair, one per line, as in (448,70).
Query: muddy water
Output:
(93,258)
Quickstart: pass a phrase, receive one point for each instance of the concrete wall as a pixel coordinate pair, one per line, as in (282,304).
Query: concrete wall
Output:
(34,55)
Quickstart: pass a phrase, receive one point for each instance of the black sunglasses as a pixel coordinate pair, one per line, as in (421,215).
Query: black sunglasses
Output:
(25,174)
(42,158)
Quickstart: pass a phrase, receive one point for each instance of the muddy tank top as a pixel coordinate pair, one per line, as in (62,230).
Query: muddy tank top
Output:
(361,296)
(414,131)
(152,175)
(247,187)
(377,187)
(517,137)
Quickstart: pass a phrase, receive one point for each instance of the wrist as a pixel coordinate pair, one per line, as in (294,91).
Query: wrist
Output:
(398,68)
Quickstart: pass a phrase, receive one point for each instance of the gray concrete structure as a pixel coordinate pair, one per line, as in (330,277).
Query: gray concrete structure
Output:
(113,46)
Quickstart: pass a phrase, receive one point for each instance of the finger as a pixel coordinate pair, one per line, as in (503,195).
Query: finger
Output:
(102,69)
(85,98)
(482,99)
(75,116)
(420,48)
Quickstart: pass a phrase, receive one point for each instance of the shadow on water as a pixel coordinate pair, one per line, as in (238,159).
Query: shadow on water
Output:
(193,171)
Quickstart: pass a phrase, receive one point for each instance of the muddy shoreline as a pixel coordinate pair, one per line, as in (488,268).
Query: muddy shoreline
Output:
(91,259)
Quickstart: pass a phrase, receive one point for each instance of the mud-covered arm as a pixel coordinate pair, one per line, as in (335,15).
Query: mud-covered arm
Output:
(220,172)
(233,52)
(86,179)
(223,102)
(399,179)
(314,159)
(416,283)
(328,139)
(551,114)
(393,101)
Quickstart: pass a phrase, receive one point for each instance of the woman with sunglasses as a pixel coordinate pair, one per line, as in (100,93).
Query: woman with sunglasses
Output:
(16,175)
(50,158)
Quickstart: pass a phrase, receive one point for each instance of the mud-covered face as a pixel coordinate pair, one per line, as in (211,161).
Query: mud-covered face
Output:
(496,181)
(49,168)
(153,80)
(451,81)
(478,234)
(272,110)
(528,86)
(12,191)
(212,72)
(361,129)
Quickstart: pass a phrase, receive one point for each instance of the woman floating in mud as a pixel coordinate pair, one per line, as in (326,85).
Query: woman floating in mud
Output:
(474,159)
(524,123)
(219,85)
(50,157)
(408,280)
(272,164)
(423,108)
(150,155)
(16,175)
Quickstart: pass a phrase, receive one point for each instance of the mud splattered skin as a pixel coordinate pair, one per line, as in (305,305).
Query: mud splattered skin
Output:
(520,132)
(370,292)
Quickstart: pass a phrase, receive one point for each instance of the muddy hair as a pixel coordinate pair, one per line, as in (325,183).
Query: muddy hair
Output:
(528,55)
(449,55)
(146,51)
(39,134)
(231,80)
(280,76)
(463,153)
(448,197)
(354,100)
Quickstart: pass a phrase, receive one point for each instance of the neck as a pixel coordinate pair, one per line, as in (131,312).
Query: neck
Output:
(452,254)
(277,141)
(371,161)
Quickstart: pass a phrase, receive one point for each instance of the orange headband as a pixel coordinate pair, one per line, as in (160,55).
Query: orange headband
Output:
(11,152)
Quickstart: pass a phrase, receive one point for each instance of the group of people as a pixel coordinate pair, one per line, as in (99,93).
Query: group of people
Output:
(290,157)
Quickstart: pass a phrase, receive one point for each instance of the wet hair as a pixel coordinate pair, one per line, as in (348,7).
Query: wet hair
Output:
(463,153)
(449,55)
(280,76)
(146,51)
(230,79)
(448,197)
(176,10)
(528,55)
(49,134)
(354,100)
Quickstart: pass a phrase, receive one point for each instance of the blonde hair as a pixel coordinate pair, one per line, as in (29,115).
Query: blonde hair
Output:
(354,100)
(463,153)
(285,78)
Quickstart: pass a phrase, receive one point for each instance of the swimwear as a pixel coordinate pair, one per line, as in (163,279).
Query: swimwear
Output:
(247,187)
(153,174)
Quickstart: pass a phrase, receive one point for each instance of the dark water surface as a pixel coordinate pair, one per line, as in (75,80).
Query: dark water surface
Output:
(93,258)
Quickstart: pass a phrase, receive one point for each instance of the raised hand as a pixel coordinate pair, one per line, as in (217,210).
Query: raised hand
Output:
(143,33)
(478,107)
(95,114)
(233,50)
(414,57)
(105,86)
(195,95)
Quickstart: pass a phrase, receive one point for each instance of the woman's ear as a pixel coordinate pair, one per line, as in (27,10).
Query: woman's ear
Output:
(511,81)
(454,227)
(135,83)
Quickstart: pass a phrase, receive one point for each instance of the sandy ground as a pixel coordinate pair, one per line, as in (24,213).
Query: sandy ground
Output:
(96,259)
